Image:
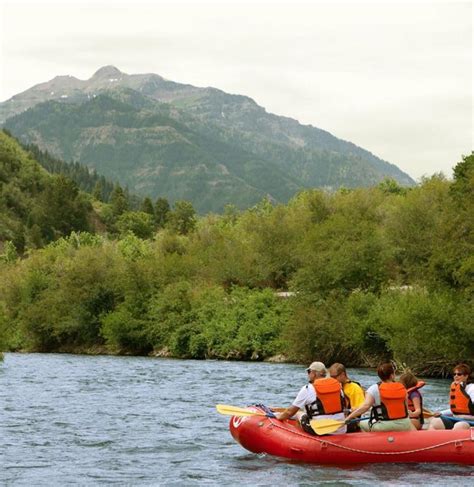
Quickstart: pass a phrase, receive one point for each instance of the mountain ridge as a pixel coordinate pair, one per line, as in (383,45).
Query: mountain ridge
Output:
(196,128)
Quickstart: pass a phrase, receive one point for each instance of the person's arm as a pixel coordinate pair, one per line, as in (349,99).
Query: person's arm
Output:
(368,403)
(299,402)
(416,414)
(287,413)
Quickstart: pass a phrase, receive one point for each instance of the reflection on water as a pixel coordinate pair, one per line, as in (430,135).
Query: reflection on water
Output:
(143,421)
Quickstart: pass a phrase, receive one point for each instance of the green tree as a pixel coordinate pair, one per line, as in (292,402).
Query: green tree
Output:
(98,191)
(413,227)
(147,206)
(137,222)
(118,200)
(10,253)
(162,210)
(346,251)
(389,185)
(429,331)
(463,173)
(452,260)
(62,209)
(183,217)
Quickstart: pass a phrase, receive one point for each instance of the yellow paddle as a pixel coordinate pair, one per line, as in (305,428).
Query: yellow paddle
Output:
(427,413)
(325,426)
(328,426)
(236,411)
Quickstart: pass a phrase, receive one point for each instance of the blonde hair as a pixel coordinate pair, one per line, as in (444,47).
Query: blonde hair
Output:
(337,368)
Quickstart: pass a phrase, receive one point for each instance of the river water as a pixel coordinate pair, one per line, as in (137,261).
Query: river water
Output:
(88,420)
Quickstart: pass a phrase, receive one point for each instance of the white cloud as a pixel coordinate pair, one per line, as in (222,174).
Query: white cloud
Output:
(395,78)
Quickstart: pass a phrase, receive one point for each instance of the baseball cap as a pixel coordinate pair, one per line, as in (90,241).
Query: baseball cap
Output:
(317,367)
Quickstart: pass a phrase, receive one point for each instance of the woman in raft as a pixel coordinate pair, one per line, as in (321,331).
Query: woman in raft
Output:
(415,399)
(388,400)
(461,402)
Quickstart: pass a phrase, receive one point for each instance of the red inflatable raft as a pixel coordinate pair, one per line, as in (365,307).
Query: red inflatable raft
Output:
(261,434)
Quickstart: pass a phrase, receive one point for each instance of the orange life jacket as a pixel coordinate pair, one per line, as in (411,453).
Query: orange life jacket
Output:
(329,397)
(411,406)
(419,385)
(393,399)
(459,400)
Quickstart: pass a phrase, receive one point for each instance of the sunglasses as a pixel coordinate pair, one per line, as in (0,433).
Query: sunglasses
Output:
(458,373)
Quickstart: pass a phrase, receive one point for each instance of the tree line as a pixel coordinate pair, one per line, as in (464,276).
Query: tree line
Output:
(376,273)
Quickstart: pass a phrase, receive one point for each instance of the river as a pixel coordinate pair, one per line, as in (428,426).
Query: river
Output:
(88,420)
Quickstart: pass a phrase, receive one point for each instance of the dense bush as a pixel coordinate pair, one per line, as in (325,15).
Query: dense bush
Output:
(380,273)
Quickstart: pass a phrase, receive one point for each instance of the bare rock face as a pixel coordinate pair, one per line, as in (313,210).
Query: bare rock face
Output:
(107,72)
(277,359)
(164,353)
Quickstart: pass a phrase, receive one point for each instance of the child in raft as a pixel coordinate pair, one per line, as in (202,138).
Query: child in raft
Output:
(415,399)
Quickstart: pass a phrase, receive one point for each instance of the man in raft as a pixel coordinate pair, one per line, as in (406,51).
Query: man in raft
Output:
(388,400)
(322,397)
(461,402)
(353,392)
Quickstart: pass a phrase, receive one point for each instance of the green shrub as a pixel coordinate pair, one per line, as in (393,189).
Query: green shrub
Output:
(430,332)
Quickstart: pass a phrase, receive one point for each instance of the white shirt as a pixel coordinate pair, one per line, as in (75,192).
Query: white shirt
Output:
(470,390)
(306,396)
(373,391)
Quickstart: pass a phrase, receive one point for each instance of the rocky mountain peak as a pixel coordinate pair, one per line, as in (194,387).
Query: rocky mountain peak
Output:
(107,72)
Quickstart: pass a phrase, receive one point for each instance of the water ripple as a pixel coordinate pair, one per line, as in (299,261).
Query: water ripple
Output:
(78,420)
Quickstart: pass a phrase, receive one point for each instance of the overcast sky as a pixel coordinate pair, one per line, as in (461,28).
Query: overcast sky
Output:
(394,78)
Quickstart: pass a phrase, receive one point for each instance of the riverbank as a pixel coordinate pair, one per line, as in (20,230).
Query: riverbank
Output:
(376,274)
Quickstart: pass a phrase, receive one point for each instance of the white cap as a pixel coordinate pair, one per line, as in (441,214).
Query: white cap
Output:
(317,367)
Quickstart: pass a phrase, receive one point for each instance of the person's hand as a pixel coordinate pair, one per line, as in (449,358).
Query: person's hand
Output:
(436,414)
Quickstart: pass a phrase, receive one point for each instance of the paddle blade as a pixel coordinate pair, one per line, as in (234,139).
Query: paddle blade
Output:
(325,426)
(235,411)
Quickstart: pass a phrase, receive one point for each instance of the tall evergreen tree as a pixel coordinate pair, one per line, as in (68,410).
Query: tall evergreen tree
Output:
(118,200)
(147,206)
(162,210)
(183,217)
(98,192)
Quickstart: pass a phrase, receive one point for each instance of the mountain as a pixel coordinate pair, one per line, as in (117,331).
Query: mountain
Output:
(163,138)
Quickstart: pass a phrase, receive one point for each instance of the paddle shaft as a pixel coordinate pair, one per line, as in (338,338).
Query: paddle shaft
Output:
(319,426)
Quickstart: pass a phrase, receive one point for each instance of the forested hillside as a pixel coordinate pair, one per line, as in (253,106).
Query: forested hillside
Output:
(87,180)
(41,200)
(385,272)
(36,207)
